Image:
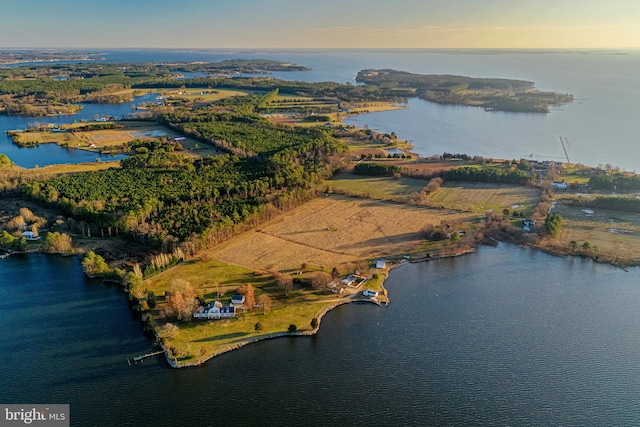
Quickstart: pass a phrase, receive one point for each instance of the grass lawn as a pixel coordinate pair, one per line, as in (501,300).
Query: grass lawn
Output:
(210,276)
(481,197)
(616,234)
(210,337)
(382,188)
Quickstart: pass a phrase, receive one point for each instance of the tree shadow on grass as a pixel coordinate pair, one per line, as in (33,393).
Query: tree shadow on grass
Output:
(223,337)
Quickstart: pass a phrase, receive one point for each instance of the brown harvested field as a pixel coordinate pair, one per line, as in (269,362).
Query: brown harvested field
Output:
(331,230)
(481,197)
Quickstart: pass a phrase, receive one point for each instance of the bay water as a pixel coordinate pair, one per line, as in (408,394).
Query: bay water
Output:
(505,336)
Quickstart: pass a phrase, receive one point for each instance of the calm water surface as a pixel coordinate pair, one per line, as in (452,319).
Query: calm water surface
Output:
(502,337)
(52,154)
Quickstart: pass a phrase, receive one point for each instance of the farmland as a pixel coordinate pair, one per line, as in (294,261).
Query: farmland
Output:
(332,230)
(382,188)
(481,197)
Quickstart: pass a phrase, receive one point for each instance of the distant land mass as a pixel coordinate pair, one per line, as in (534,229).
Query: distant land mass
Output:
(493,94)
(23,56)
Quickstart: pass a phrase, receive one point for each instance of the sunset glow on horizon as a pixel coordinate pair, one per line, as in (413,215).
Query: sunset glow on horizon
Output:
(330,24)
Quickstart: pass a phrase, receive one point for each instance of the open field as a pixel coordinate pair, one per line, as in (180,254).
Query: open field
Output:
(610,217)
(332,230)
(616,234)
(323,233)
(66,169)
(382,188)
(481,197)
(14,173)
(425,166)
(620,242)
(371,107)
(282,119)
(202,95)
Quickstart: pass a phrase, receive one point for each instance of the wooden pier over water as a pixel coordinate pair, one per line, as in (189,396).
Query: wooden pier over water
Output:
(141,358)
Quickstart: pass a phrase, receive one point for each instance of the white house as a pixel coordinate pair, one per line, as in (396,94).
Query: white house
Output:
(349,280)
(215,310)
(370,293)
(380,263)
(561,184)
(30,235)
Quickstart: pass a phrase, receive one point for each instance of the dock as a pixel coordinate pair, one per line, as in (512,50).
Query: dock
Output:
(141,358)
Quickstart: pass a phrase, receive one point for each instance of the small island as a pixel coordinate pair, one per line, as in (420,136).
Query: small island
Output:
(246,209)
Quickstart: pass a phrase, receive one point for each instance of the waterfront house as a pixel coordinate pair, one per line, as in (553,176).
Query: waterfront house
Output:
(30,235)
(380,263)
(370,293)
(215,310)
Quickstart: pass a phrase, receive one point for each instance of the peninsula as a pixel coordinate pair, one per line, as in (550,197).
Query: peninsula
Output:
(246,209)
(490,93)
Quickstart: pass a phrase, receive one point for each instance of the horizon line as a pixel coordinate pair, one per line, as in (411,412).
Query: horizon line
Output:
(314,48)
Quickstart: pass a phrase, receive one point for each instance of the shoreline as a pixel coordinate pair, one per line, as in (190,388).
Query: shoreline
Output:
(347,300)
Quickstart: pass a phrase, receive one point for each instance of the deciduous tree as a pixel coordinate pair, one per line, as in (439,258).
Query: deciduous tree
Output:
(265,303)
(321,280)
(58,242)
(181,300)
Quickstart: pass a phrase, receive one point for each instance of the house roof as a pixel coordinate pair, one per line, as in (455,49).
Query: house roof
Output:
(237,299)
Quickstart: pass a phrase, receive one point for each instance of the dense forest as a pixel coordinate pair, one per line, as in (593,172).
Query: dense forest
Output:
(489,174)
(167,201)
(615,181)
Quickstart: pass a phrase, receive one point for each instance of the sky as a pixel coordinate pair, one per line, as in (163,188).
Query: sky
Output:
(613,24)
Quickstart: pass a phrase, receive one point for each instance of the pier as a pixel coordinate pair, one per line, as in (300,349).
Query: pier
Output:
(141,358)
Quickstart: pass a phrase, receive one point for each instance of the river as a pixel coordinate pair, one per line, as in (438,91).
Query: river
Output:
(505,336)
